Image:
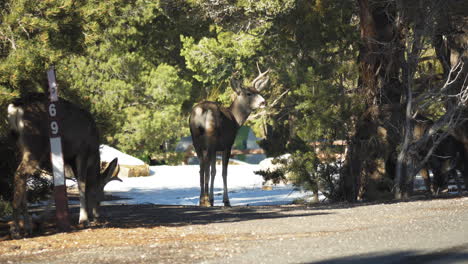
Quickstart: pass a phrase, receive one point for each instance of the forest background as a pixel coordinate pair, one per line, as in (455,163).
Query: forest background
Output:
(352,70)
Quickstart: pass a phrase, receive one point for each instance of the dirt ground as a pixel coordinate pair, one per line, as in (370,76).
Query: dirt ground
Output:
(190,234)
(173,234)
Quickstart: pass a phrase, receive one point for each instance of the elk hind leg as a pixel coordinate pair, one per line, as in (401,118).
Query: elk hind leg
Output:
(438,178)
(457,181)
(427,180)
(212,165)
(464,174)
(21,219)
(204,176)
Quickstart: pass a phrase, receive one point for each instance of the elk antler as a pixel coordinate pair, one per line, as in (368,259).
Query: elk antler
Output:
(260,82)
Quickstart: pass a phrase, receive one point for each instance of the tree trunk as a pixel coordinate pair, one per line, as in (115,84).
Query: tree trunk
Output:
(369,163)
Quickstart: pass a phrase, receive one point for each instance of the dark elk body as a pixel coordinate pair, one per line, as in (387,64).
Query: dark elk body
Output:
(214,128)
(28,120)
(448,157)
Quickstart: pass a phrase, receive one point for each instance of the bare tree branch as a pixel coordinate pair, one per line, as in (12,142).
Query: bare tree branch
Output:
(269,107)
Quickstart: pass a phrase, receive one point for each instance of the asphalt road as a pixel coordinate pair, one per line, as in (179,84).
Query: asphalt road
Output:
(412,232)
(429,231)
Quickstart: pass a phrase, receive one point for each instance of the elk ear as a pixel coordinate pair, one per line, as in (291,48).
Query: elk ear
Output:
(236,85)
(110,173)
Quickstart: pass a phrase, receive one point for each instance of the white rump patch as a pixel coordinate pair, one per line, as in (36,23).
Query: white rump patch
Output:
(15,115)
(198,111)
(209,120)
(198,117)
(204,119)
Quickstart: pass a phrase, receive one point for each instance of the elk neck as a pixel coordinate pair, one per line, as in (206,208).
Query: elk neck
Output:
(240,111)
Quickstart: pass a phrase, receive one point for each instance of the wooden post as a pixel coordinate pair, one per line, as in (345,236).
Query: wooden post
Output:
(60,189)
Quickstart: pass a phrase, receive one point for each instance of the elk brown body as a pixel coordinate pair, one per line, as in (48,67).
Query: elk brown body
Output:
(28,120)
(214,128)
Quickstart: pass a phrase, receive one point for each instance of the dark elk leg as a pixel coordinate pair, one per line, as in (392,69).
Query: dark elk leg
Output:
(438,182)
(81,178)
(463,167)
(204,176)
(457,181)
(20,212)
(464,174)
(212,165)
(226,156)
(427,180)
(92,196)
(21,218)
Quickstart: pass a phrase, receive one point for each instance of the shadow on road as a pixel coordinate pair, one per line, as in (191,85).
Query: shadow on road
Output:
(151,215)
(458,254)
(131,216)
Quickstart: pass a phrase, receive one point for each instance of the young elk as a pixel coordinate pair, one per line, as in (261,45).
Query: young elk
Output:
(214,128)
(80,139)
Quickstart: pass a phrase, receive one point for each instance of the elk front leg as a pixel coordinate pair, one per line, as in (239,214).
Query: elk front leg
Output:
(226,156)
(93,199)
(81,179)
(83,220)
(94,191)
(93,205)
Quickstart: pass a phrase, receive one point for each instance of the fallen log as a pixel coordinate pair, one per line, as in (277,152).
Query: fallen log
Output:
(127,171)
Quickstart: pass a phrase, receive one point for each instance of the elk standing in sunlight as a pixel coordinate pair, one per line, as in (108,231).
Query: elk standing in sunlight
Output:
(214,128)
(80,139)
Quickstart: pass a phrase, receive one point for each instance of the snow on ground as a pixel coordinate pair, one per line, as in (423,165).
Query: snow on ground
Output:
(180,185)
(109,153)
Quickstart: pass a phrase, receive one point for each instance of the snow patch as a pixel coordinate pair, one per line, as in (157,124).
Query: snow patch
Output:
(180,185)
(108,153)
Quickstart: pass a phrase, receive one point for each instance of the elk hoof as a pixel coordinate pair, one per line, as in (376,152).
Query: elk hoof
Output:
(204,201)
(21,228)
(205,204)
(83,223)
(15,233)
(227,204)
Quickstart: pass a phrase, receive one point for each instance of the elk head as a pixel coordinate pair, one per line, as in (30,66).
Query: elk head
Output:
(248,98)
(107,175)
(110,173)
